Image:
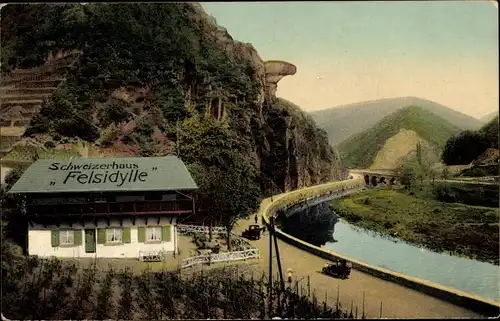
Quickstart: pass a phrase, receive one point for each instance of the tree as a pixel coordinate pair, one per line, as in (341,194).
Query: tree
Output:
(410,173)
(464,148)
(419,153)
(436,171)
(225,195)
(13,176)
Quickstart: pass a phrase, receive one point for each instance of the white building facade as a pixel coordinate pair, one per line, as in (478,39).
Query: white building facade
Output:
(119,239)
(105,207)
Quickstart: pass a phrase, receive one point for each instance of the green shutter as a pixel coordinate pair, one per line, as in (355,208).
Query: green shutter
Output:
(55,238)
(126,234)
(141,234)
(101,236)
(78,237)
(165,233)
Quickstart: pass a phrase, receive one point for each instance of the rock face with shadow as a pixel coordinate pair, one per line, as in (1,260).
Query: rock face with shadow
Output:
(314,225)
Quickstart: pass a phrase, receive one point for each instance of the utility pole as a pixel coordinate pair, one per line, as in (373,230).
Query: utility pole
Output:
(278,259)
(270,291)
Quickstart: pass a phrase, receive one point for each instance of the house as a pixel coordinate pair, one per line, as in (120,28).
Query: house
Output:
(104,207)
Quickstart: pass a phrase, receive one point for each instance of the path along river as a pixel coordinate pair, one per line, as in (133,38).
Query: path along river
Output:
(456,272)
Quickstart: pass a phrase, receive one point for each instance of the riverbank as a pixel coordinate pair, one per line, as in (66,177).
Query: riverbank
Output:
(470,231)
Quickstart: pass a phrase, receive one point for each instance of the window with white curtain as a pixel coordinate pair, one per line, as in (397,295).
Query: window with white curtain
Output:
(153,234)
(114,235)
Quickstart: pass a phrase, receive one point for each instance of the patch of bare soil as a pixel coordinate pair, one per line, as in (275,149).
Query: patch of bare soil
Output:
(489,157)
(397,148)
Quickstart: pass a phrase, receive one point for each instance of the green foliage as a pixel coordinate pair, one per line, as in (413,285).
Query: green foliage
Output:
(468,145)
(467,193)
(490,132)
(65,115)
(207,142)
(359,151)
(58,290)
(464,148)
(14,175)
(410,173)
(116,113)
(30,153)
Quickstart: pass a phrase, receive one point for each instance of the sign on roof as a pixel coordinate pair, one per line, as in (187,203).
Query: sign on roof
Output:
(105,175)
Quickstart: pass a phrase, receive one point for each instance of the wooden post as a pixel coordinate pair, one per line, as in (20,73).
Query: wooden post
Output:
(380,316)
(338,293)
(308,285)
(270,285)
(278,259)
(363,316)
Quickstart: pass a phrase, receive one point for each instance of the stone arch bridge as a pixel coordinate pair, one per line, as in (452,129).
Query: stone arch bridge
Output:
(375,177)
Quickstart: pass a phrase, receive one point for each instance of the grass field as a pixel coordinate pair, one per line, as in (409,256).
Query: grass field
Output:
(470,231)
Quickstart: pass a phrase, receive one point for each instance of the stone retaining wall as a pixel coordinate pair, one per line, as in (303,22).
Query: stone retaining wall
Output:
(475,303)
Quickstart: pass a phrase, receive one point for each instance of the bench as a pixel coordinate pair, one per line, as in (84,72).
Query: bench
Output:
(151,256)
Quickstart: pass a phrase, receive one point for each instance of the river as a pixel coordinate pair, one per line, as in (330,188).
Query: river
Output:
(460,273)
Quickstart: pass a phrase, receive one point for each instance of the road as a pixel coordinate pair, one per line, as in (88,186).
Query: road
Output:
(397,301)
(471,182)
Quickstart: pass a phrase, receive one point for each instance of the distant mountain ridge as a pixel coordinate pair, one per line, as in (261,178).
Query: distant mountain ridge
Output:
(489,117)
(360,150)
(344,121)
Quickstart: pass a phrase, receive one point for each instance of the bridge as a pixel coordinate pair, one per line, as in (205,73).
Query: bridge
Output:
(368,294)
(377,176)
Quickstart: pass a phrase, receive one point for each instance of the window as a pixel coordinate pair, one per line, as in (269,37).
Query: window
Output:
(153,234)
(113,235)
(66,237)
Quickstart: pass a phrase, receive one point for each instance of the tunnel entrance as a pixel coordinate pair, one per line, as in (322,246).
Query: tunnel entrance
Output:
(382,180)
(392,181)
(367,180)
(374,180)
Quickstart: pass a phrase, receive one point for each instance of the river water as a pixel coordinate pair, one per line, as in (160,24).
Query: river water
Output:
(456,272)
(460,273)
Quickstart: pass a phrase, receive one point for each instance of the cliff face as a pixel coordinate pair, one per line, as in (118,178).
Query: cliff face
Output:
(152,77)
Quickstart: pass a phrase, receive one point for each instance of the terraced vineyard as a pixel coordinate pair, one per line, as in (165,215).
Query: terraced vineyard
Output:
(22,93)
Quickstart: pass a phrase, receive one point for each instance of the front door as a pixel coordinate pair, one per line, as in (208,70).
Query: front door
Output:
(90,241)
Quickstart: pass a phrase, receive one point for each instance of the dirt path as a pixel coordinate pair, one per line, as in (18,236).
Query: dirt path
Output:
(397,301)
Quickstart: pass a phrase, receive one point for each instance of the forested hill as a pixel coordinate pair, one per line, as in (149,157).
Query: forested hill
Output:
(342,122)
(148,73)
(361,150)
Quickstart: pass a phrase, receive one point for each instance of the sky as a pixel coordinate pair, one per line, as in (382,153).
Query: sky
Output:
(444,51)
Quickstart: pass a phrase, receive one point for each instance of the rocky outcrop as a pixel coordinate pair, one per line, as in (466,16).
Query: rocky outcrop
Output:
(275,71)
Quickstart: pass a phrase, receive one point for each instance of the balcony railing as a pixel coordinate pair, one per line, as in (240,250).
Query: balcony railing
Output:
(113,208)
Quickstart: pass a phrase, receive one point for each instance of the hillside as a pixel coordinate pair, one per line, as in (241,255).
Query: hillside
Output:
(489,117)
(475,148)
(415,123)
(149,74)
(344,121)
(490,131)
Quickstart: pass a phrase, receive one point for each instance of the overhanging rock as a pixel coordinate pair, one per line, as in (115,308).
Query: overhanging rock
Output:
(275,71)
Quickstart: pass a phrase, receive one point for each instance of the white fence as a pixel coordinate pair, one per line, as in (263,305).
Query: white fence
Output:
(151,256)
(199,229)
(221,257)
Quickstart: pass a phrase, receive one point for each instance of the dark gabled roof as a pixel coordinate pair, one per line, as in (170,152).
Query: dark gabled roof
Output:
(105,175)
